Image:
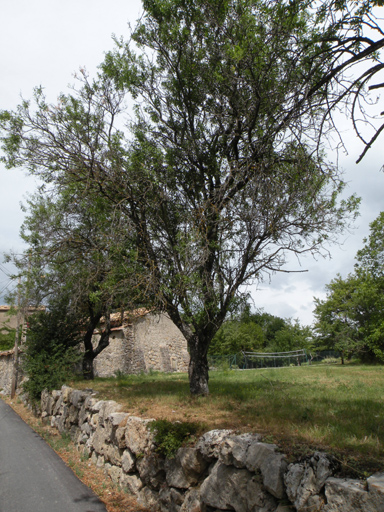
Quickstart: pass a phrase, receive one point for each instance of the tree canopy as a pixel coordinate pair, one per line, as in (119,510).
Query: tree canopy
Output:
(351,318)
(220,174)
(259,332)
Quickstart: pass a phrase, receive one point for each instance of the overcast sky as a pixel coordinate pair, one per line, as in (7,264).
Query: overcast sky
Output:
(46,41)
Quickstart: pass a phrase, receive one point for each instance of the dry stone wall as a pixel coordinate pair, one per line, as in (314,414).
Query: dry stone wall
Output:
(222,472)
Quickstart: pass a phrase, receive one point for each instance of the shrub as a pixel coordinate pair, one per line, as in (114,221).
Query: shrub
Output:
(7,338)
(51,350)
(169,436)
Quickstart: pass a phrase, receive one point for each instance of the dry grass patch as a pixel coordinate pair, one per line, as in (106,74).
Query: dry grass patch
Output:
(334,408)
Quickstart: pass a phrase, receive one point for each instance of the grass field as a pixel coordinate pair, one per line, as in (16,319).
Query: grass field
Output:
(335,408)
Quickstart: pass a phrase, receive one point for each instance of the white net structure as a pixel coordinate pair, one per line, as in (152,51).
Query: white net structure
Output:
(274,359)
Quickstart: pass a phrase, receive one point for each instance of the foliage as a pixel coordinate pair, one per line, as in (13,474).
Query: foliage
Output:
(235,336)
(292,336)
(222,175)
(80,250)
(51,350)
(7,338)
(169,436)
(259,332)
(351,318)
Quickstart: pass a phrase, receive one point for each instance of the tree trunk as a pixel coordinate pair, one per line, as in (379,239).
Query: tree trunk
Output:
(88,365)
(198,367)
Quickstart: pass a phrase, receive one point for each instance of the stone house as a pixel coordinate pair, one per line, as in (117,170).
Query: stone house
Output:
(140,342)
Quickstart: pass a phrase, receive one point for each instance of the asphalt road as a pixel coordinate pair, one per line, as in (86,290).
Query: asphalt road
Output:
(32,477)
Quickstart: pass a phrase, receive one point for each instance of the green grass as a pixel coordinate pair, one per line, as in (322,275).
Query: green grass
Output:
(335,408)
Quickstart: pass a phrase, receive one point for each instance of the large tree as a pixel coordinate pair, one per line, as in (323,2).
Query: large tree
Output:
(222,176)
(351,317)
(80,255)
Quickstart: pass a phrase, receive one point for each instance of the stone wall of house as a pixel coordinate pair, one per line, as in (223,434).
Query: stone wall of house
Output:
(149,342)
(160,343)
(115,358)
(6,366)
(223,472)
(6,372)
(6,319)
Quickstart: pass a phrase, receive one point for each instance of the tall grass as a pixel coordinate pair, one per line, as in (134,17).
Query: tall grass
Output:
(338,408)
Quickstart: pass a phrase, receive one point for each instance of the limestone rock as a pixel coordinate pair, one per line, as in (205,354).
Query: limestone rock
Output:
(45,396)
(73,415)
(131,483)
(120,436)
(192,463)
(98,440)
(170,500)
(209,444)
(376,485)
(94,421)
(107,407)
(151,470)
(112,454)
(347,495)
(192,501)
(86,429)
(60,422)
(186,469)
(128,462)
(271,464)
(233,451)
(85,412)
(114,473)
(138,438)
(58,406)
(305,480)
(78,397)
(112,423)
(230,488)
(149,499)
(66,393)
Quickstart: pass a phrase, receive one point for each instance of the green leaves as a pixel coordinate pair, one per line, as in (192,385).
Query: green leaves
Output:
(351,318)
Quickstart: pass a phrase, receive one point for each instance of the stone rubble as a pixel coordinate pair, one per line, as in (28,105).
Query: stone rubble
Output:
(223,472)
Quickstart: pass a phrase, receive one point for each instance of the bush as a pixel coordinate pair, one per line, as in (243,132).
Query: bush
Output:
(169,436)
(51,350)
(7,338)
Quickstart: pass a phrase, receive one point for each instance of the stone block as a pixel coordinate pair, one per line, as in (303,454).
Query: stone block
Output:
(131,483)
(112,454)
(138,437)
(114,474)
(151,469)
(112,423)
(192,502)
(149,499)
(170,500)
(128,462)
(347,495)
(210,443)
(186,468)
(229,488)
(305,480)
(66,394)
(271,464)
(233,451)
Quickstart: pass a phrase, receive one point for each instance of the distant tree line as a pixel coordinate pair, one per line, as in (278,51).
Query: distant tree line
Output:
(260,332)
